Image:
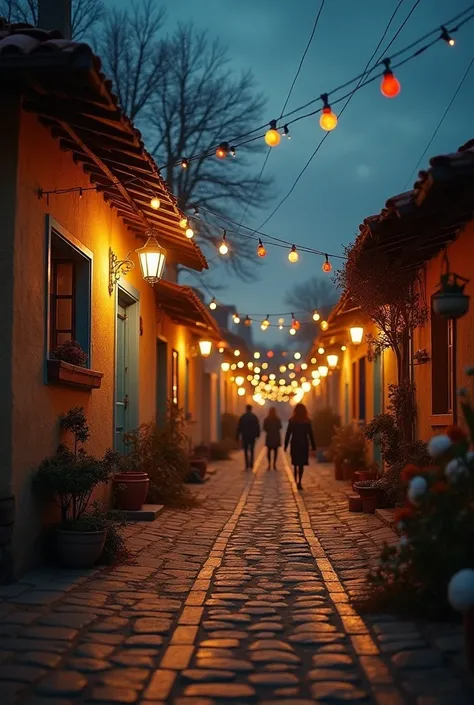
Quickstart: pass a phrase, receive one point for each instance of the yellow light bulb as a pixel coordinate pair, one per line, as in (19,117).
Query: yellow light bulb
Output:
(292,331)
(189,233)
(272,136)
(223,249)
(293,255)
(328,119)
(183,223)
(155,203)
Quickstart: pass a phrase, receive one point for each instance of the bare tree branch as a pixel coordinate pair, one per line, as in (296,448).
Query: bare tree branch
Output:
(86,14)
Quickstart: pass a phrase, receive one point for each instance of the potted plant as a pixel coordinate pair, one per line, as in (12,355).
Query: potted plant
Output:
(370,474)
(130,483)
(451,301)
(68,365)
(69,477)
(370,494)
(324,423)
(70,352)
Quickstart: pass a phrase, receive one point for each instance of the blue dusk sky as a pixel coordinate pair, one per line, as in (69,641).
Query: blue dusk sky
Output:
(378,142)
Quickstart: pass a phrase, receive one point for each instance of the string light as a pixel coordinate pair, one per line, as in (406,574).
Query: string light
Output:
(327,266)
(313,360)
(324,325)
(343,348)
(184,163)
(261,251)
(232,151)
(241,392)
(295,324)
(236,318)
(316,316)
(213,305)
(390,85)
(293,255)
(224,248)
(292,331)
(265,323)
(256,355)
(286,132)
(237,353)
(328,119)
(189,233)
(155,203)
(183,223)
(281,321)
(297,356)
(320,350)
(248,321)
(272,136)
(223,150)
(447,37)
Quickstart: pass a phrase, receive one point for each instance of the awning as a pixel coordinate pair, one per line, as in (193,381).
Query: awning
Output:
(62,83)
(184,306)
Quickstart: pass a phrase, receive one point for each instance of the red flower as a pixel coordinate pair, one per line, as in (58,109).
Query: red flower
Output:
(456,434)
(440,487)
(402,513)
(409,472)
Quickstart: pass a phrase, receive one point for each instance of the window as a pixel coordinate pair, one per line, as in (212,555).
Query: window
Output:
(69,290)
(442,364)
(354,390)
(175,377)
(362,403)
(186,389)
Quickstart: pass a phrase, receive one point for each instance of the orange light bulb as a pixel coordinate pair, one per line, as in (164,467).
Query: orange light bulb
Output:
(272,136)
(390,86)
(223,150)
(261,251)
(327,266)
(328,119)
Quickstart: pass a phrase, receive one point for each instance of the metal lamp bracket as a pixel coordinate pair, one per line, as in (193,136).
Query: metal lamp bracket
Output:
(118,268)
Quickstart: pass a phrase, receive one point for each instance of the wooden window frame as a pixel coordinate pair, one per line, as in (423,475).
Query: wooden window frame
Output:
(443,416)
(54,297)
(175,377)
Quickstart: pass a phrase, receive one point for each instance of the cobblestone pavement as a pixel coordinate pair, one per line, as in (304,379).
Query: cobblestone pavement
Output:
(245,599)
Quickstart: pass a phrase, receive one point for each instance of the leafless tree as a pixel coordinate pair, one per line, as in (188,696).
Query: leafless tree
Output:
(199,104)
(132,53)
(86,14)
(313,294)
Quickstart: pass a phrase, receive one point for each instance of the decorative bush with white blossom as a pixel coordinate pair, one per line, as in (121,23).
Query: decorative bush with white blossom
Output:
(432,568)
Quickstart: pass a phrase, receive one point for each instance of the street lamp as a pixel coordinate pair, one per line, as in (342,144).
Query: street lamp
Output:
(152,258)
(332,361)
(323,370)
(239,381)
(356,333)
(205,346)
(225,366)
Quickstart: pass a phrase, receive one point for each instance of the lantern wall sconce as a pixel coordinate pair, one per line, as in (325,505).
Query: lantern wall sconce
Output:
(332,361)
(356,333)
(205,347)
(152,259)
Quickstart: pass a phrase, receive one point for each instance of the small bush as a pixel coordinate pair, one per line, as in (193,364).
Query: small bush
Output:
(70,352)
(348,446)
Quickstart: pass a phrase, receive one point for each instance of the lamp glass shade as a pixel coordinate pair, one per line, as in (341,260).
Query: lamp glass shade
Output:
(306,386)
(332,361)
(205,346)
(152,258)
(316,382)
(241,392)
(225,366)
(323,370)
(356,333)
(239,381)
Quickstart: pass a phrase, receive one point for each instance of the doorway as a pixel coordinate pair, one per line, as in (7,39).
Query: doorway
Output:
(126,367)
(161,381)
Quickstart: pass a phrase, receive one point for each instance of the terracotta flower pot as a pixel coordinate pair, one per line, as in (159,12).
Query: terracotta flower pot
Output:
(131,489)
(371,497)
(79,549)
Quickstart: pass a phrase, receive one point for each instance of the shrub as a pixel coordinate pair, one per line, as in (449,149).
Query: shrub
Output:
(162,452)
(324,422)
(437,526)
(348,446)
(70,352)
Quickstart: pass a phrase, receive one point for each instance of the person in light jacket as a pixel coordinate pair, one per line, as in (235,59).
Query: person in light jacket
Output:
(299,436)
(248,430)
(272,427)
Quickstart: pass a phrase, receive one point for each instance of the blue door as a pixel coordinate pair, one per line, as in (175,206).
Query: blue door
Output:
(378,402)
(121,381)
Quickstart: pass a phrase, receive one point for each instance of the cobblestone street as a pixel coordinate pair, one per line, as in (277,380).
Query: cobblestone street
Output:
(245,599)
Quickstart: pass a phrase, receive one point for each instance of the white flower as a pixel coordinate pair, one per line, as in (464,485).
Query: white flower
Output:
(461,590)
(417,489)
(470,371)
(455,469)
(439,445)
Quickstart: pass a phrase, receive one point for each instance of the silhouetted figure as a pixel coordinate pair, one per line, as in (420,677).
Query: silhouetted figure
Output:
(299,435)
(248,430)
(272,427)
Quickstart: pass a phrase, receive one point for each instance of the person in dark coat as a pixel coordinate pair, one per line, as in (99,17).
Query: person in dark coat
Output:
(248,430)
(272,427)
(299,436)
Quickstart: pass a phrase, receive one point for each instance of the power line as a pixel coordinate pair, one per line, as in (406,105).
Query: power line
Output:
(438,126)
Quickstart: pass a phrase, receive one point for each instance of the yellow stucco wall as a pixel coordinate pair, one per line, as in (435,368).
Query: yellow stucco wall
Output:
(36,406)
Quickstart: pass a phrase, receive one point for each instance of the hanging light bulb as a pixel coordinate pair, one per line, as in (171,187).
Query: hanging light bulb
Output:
(256,356)
(324,325)
(265,323)
(292,331)
(390,86)
(321,350)
(183,223)
(232,151)
(313,360)
(184,163)
(221,350)
(328,119)
(237,353)
(248,321)
(155,203)
(323,370)
(316,382)
(241,392)
(281,321)
(294,323)
(286,132)
(189,233)
(225,366)
(223,247)
(293,256)
(261,251)
(236,318)
(213,304)
(316,316)
(343,348)
(223,150)
(327,266)
(272,136)
(447,37)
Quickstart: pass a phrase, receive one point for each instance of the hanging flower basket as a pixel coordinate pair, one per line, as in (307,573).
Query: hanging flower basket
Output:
(451,301)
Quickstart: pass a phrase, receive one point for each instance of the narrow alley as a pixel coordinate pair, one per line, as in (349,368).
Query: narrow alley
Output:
(249,603)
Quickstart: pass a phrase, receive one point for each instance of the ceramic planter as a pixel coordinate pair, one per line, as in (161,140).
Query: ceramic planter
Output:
(79,549)
(450,304)
(371,497)
(130,490)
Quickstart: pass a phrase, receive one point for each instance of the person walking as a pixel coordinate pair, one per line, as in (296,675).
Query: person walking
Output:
(299,436)
(272,427)
(248,429)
